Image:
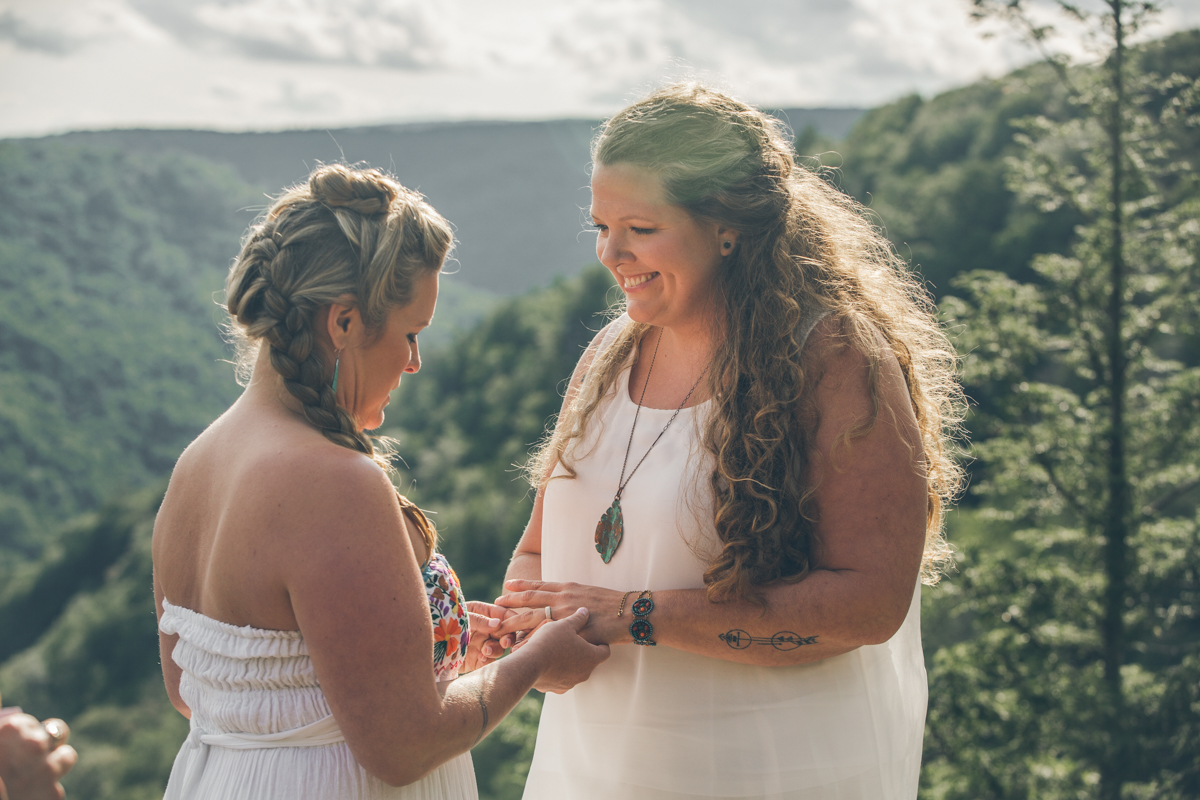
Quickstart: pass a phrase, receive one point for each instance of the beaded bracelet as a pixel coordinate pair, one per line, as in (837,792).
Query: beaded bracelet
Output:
(641,630)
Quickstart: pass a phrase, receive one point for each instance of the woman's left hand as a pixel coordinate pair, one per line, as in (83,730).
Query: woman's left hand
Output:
(527,602)
(485,621)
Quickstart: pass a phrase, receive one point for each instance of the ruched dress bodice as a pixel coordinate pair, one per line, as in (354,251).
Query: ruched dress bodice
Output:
(261,728)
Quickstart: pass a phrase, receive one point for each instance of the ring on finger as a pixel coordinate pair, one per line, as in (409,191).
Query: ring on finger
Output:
(58,731)
(549,613)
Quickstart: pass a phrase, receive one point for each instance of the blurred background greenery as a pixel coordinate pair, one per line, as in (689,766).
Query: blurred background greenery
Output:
(111,360)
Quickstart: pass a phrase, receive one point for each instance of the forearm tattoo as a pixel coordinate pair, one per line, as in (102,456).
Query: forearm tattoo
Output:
(483,725)
(783,641)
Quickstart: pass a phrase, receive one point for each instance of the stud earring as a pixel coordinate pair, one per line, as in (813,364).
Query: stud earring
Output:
(727,246)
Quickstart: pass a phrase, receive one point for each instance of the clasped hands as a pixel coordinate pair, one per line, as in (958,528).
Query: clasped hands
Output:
(514,617)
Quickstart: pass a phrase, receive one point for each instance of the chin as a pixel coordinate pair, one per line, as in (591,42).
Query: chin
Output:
(640,313)
(371,423)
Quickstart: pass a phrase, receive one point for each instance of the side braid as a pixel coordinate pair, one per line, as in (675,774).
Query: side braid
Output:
(298,360)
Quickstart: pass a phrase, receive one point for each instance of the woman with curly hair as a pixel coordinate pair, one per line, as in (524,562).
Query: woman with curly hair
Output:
(747,479)
(309,628)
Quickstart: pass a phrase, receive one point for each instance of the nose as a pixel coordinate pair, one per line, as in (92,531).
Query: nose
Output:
(414,359)
(610,249)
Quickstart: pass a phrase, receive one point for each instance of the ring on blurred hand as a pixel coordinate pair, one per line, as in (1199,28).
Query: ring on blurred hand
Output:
(549,615)
(58,732)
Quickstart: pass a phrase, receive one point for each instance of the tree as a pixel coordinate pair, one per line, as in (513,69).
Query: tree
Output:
(1089,433)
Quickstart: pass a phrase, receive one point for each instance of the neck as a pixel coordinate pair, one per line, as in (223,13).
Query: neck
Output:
(691,344)
(266,386)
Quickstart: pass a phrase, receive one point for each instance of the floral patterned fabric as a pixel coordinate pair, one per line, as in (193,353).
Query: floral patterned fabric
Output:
(451,633)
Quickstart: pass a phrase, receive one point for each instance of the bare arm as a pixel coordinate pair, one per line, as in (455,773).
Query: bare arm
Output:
(356,590)
(527,558)
(166,646)
(871,499)
(526,561)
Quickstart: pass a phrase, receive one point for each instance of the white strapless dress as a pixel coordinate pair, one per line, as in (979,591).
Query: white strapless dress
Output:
(261,728)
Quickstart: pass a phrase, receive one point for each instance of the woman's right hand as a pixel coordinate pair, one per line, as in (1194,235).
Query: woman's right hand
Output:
(32,761)
(567,658)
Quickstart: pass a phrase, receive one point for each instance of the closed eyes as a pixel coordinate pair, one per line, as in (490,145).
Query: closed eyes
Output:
(640,231)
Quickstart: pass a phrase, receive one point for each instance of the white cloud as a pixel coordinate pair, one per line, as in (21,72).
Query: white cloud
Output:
(237,64)
(395,34)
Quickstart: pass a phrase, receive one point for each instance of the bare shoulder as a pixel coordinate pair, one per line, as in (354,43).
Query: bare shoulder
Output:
(856,381)
(321,480)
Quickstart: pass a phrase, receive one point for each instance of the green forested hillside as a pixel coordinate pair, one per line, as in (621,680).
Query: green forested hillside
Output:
(934,171)
(110,356)
(514,190)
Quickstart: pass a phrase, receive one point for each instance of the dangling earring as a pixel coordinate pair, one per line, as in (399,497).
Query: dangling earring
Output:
(336,363)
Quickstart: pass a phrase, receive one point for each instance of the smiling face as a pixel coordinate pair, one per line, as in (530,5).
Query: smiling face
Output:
(663,258)
(370,372)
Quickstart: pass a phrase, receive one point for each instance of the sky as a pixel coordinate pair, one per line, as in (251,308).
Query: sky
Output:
(277,64)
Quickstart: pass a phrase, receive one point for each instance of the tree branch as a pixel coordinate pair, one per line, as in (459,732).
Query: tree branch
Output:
(1168,497)
(1067,495)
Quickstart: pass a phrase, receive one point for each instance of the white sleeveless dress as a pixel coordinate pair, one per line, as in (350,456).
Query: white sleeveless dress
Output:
(655,723)
(261,728)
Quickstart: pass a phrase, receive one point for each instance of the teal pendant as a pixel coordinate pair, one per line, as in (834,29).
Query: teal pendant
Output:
(609,531)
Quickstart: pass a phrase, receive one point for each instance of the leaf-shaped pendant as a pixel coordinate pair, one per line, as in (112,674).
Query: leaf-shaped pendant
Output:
(609,531)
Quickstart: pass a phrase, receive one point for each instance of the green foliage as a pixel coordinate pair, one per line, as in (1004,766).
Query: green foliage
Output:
(1025,699)
(933,171)
(75,561)
(96,664)
(109,348)
(1017,700)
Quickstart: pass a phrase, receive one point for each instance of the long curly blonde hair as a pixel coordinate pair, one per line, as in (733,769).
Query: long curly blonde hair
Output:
(345,232)
(803,247)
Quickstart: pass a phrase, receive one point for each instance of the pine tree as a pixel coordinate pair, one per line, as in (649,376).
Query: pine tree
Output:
(1088,436)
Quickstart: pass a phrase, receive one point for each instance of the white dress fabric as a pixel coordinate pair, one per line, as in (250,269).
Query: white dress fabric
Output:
(655,723)
(261,728)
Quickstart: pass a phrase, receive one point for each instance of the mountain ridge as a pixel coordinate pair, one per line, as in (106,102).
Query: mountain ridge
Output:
(513,235)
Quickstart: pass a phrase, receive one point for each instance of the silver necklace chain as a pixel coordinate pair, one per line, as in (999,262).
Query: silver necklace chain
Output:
(622,482)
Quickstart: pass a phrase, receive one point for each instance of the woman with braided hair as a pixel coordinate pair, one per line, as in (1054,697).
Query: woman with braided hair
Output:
(747,479)
(308,627)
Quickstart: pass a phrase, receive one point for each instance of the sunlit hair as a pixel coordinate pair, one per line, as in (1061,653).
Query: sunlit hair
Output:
(346,232)
(803,246)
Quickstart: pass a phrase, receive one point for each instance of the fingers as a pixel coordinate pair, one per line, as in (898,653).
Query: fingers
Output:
(522,620)
(58,732)
(487,609)
(522,585)
(481,624)
(578,619)
(527,599)
(62,760)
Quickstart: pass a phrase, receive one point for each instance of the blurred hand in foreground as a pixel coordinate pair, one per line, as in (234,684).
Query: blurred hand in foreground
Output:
(33,757)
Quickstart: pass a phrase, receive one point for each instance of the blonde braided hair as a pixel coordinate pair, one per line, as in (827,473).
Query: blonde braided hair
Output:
(346,232)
